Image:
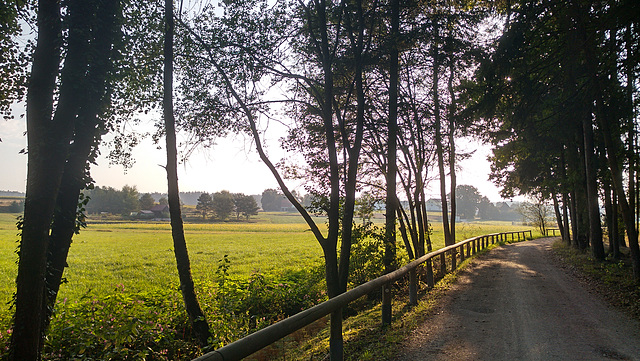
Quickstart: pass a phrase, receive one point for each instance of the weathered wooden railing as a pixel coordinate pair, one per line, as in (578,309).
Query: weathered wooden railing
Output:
(551,230)
(269,335)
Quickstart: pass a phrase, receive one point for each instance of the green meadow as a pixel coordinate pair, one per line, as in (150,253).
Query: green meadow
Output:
(140,256)
(133,262)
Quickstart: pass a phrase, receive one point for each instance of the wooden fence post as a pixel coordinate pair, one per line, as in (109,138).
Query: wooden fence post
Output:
(413,288)
(443,263)
(454,255)
(430,282)
(386,304)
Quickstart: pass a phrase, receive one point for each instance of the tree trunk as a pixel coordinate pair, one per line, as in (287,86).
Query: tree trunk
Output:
(438,138)
(575,220)
(608,216)
(196,316)
(452,151)
(566,204)
(579,194)
(556,209)
(612,220)
(392,168)
(612,144)
(627,213)
(565,213)
(595,230)
(87,134)
(43,179)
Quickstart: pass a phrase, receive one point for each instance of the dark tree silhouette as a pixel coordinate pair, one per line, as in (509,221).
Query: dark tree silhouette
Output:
(196,316)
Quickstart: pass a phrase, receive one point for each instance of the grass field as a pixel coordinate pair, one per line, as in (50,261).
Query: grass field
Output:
(138,257)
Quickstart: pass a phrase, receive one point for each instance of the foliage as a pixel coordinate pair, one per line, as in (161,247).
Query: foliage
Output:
(367,250)
(467,201)
(108,199)
(557,99)
(247,304)
(271,200)
(13,57)
(537,214)
(205,204)
(222,204)
(146,201)
(129,325)
(121,326)
(129,199)
(365,206)
(245,205)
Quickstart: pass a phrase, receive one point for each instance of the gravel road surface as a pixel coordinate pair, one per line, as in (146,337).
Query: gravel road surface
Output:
(517,303)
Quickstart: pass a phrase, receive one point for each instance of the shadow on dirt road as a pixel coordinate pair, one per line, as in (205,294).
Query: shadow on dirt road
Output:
(516,303)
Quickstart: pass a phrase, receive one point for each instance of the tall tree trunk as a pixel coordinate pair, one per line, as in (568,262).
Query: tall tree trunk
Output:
(608,217)
(627,212)
(452,151)
(556,209)
(612,144)
(565,198)
(47,143)
(581,239)
(438,136)
(632,157)
(611,219)
(402,218)
(392,168)
(576,220)
(565,213)
(196,316)
(595,229)
(87,134)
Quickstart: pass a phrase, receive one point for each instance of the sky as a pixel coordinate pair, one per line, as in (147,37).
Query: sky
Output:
(231,165)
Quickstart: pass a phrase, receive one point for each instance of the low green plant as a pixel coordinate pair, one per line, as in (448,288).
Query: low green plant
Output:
(367,250)
(121,326)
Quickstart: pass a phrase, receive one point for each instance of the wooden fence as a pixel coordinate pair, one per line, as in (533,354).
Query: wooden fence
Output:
(269,335)
(551,230)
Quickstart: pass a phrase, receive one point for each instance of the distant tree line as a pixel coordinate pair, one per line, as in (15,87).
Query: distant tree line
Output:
(222,205)
(111,200)
(123,201)
(16,206)
(470,204)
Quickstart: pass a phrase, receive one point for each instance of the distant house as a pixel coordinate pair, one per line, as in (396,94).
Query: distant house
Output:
(285,205)
(144,214)
(503,206)
(160,210)
(434,205)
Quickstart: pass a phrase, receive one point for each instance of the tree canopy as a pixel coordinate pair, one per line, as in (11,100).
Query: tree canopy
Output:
(373,93)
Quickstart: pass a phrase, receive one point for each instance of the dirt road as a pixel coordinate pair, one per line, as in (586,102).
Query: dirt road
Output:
(517,303)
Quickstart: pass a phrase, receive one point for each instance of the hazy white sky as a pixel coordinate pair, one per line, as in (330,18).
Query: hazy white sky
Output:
(231,165)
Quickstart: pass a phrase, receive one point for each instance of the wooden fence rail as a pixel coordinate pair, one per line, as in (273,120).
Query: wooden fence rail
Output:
(551,230)
(269,335)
